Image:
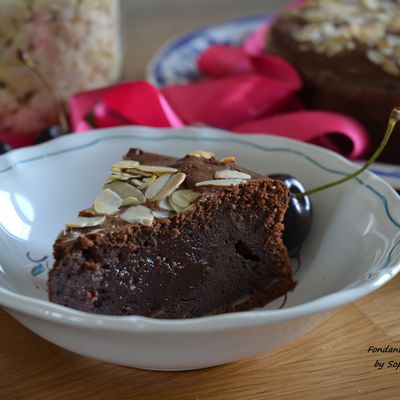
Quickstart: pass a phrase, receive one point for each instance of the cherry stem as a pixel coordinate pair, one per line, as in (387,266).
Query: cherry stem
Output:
(394,118)
(30,64)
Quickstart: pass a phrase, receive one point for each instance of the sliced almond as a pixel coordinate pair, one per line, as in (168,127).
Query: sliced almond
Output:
(109,180)
(123,176)
(221,182)
(95,231)
(136,182)
(175,206)
(83,222)
(231,174)
(119,176)
(124,164)
(156,186)
(188,209)
(202,153)
(171,185)
(130,201)
(108,202)
(183,198)
(88,212)
(164,204)
(146,182)
(137,172)
(126,191)
(156,169)
(161,214)
(228,160)
(178,209)
(138,215)
(391,67)
(190,195)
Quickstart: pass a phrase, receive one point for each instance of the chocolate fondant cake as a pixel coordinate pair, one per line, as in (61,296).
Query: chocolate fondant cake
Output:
(175,238)
(348,53)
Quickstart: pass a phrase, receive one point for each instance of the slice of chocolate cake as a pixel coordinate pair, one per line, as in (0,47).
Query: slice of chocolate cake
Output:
(175,238)
(348,54)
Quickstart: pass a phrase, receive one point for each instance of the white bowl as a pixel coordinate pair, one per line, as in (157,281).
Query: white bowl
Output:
(352,250)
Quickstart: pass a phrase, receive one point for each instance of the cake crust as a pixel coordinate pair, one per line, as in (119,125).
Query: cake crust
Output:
(348,54)
(224,254)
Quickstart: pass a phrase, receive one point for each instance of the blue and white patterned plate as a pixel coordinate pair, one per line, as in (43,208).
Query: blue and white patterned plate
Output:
(175,62)
(390,173)
(352,250)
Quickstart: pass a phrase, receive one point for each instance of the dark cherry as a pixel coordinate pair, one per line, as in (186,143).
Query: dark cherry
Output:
(49,133)
(5,147)
(298,216)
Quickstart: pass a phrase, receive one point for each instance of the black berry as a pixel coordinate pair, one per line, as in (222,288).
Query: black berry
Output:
(49,133)
(298,216)
(5,148)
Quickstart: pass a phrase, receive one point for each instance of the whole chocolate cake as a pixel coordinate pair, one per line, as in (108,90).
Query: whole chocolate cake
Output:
(348,53)
(175,238)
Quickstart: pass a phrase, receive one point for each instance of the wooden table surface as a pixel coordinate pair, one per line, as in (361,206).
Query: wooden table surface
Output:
(331,362)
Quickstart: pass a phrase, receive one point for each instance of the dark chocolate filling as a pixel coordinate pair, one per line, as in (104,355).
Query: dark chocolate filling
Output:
(186,265)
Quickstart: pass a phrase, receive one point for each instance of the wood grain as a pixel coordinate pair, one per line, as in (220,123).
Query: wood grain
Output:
(331,362)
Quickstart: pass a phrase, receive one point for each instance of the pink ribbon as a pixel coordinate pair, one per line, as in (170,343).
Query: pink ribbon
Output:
(307,126)
(127,103)
(227,102)
(17,140)
(221,61)
(246,91)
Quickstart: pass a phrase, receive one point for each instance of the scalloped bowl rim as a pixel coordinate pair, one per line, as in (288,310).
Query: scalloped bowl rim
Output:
(221,322)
